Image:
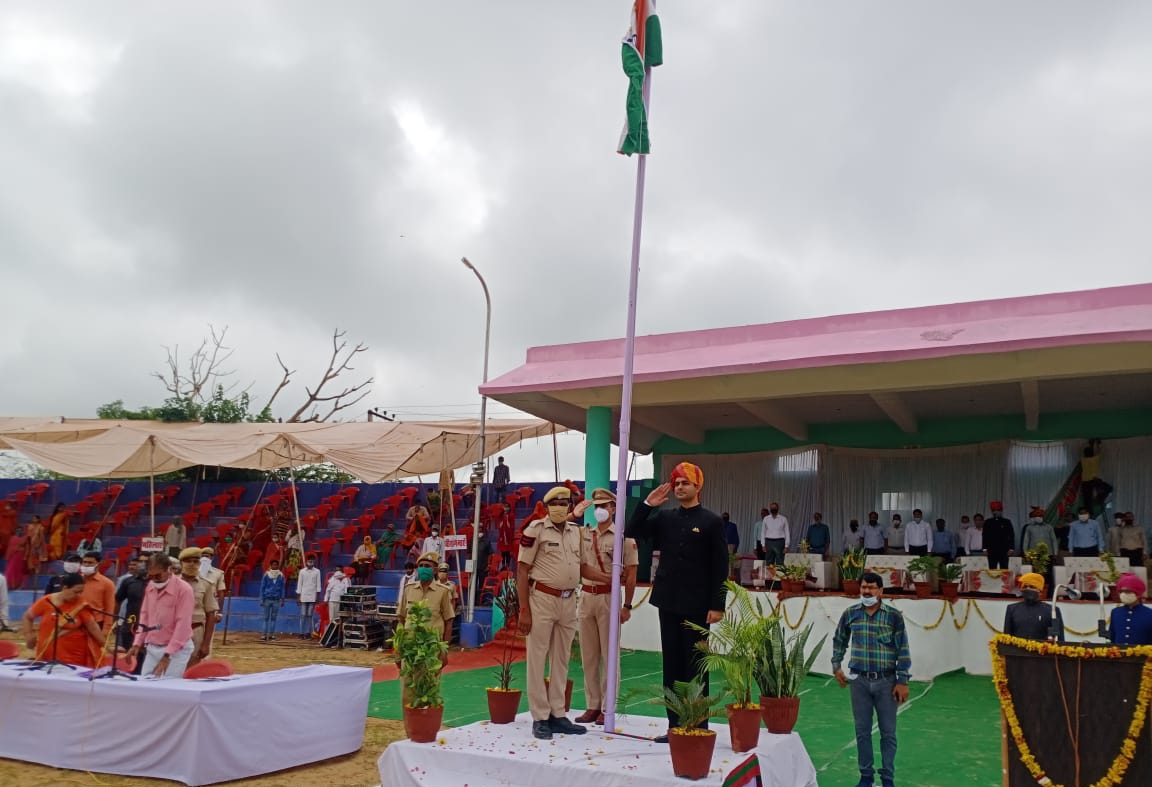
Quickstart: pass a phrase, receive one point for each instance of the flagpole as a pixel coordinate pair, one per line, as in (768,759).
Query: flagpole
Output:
(613,668)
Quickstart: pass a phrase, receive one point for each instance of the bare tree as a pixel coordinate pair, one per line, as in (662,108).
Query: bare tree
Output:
(205,371)
(318,400)
(203,374)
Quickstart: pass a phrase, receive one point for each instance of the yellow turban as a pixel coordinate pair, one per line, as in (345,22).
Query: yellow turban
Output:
(1031,581)
(690,473)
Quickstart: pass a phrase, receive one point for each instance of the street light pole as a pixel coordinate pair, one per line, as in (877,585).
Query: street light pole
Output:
(478,468)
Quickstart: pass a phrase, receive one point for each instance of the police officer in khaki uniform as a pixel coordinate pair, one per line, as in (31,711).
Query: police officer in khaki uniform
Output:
(546,578)
(438,597)
(596,550)
(204,606)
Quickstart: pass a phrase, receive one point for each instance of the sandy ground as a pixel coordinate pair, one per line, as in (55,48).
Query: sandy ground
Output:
(249,655)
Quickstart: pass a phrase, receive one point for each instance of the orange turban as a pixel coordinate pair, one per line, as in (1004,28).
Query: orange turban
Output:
(1031,581)
(690,473)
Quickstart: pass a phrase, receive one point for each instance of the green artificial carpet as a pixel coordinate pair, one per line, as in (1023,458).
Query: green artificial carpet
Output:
(949,731)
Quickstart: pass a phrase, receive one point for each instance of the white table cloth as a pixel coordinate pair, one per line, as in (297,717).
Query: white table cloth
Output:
(195,732)
(487,755)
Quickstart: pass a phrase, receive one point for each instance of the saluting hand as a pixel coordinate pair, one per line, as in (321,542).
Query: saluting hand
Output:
(580,508)
(658,496)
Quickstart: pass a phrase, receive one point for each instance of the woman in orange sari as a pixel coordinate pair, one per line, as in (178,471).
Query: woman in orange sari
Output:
(35,545)
(58,532)
(68,630)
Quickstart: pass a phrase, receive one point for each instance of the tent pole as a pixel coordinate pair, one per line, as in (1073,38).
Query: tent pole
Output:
(152,485)
(555,454)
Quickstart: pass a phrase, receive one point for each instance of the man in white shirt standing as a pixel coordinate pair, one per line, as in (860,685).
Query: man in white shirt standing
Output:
(307,591)
(918,535)
(337,586)
(434,543)
(973,538)
(896,533)
(775,536)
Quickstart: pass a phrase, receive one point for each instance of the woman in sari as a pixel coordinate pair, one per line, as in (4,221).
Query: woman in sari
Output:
(35,545)
(68,631)
(14,572)
(364,559)
(58,532)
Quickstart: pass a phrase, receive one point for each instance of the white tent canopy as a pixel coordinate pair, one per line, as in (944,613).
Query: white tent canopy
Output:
(371,451)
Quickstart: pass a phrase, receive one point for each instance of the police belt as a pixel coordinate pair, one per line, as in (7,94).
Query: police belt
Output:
(597,590)
(550,590)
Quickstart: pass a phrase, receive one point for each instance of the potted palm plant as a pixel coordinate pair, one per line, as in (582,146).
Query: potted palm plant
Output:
(780,669)
(419,651)
(851,569)
(949,574)
(691,746)
(503,700)
(732,647)
(922,568)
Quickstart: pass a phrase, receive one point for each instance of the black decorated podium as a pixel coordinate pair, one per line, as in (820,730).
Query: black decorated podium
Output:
(1074,715)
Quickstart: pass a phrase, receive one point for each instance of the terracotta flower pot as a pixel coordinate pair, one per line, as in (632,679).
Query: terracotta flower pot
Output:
(744,727)
(780,713)
(793,587)
(422,724)
(851,587)
(503,705)
(950,590)
(567,693)
(691,752)
(923,589)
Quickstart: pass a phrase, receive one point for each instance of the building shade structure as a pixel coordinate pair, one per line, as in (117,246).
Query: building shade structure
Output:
(370,451)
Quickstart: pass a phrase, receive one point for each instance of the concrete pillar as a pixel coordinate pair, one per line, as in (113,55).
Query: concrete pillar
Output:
(598,453)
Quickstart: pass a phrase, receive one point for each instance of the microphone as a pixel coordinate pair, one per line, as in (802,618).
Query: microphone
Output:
(1070,592)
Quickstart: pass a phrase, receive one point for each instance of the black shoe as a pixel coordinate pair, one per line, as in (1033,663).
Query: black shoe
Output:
(562,724)
(542,730)
(661,738)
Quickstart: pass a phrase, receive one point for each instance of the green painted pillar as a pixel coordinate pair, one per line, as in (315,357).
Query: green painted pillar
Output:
(598,453)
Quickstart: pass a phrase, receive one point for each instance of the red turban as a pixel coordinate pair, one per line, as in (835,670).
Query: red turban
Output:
(1132,583)
(996,505)
(690,473)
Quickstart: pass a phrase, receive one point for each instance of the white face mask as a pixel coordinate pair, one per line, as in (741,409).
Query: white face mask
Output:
(916,520)
(1083,517)
(601,514)
(159,585)
(1127,597)
(87,570)
(869,601)
(1036,520)
(71,568)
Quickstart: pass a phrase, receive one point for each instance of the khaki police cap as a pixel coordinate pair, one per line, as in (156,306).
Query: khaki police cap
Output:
(602,497)
(191,552)
(558,492)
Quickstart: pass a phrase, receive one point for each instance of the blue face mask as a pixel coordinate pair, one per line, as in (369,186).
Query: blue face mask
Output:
(869,601)
(424,574)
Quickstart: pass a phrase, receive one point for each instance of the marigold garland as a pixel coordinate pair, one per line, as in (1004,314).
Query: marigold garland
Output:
(939,620)
(1115,773)
(803,612)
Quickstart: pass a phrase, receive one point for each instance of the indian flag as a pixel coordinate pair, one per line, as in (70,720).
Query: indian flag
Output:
(642,48)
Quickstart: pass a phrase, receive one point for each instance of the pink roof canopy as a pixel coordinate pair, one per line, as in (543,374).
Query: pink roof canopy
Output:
(783,374)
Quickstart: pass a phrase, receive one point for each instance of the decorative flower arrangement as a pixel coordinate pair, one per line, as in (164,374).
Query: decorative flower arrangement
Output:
(1111,574)
(1115,774)
(852,564)
(1039,558)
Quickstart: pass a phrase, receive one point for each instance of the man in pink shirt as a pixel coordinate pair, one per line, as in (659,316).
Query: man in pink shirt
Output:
(165,622)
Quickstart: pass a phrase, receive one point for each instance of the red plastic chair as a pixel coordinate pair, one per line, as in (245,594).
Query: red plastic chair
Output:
(347,533)
(394,502)
(409,493)
(366,521)
(222,501)
(123,555)
(38,490)
(204,510)
(74,540)
(222,531)
(82,508)
(9,650)
(203,541)
(123,663)
(190,518)
(239,571)
(170,493)
(334,502)
(236,493)
(512,499)
(322,512)
(326,546)
(350,493)
(19,498)
(114,490)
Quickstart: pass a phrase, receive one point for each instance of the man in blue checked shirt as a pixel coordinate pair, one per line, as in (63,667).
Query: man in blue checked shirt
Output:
(878,671)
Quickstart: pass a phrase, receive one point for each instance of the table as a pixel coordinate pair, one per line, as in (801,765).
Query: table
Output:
(195,732)
(506,755)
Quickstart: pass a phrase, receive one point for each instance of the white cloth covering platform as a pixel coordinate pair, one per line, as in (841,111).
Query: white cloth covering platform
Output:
(506,755)
(192,731)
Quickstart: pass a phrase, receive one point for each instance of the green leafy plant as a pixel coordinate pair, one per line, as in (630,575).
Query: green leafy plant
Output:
(508,602)
(950,572)
(782,665)
(419,650)
(852,564)
(687,700)
(797,572)
(1039,558)
(732,646)
(922,566)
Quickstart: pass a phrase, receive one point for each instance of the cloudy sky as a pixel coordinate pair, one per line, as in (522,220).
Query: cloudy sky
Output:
(284,168)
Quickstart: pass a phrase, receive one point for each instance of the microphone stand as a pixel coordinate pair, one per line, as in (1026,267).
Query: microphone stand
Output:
(115,671)
(1053,629)
(1101,623)
(50,664)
